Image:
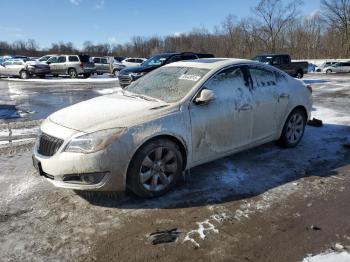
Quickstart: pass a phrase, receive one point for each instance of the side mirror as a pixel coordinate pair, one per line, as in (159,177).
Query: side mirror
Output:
(204,97)
(48,63)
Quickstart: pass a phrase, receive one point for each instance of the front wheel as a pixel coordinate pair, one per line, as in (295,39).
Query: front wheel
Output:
(328,71)
(24,74)
(155,168)
(293,129)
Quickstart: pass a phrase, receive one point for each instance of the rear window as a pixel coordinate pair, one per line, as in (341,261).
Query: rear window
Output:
(84,58)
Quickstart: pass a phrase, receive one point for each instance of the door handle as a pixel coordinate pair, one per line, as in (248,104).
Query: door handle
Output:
(245,107)
(284,95)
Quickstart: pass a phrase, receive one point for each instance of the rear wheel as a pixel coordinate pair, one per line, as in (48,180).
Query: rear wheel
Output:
(155,168)
(24,74)
(328,71)
(72,73)
(293,129)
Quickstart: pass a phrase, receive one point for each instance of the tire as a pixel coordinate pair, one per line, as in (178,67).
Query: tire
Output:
(155,168)
(72,73)
(300,74)
(87,75)
(116,72)
(41,76)
(293,129)
(24,74)
(328,71)
(55,75)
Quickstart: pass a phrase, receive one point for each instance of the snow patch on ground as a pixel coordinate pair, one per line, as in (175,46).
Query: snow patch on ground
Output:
(64,80)
(329,257)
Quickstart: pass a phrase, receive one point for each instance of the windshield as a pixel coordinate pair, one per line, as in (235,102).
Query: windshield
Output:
(157,60)
(169,84)
(263,59)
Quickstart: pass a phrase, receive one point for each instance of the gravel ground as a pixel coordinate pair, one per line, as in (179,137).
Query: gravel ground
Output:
(265,204)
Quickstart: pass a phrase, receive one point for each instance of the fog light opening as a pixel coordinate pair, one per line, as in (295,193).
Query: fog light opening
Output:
(84,179)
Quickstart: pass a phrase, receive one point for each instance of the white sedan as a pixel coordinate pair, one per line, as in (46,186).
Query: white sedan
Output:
(130,61)
(172,119)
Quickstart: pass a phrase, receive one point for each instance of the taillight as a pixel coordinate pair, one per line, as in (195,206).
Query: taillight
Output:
(81,64)
(309,87)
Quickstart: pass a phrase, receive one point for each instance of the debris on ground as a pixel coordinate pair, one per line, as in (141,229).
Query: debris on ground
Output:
(338,247)
(315,122)
(164,236)
(314,227)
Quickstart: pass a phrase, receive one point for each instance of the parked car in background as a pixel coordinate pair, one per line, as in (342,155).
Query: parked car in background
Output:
(19,68)
(341,67)
(130,61)
(117,67)
(284,62)
(129,139)
(72,65)
(44,58)
(102,65)
(128,75)
(324,65)
(24,58)
(311,68)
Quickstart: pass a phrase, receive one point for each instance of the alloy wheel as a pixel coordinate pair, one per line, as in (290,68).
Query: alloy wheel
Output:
(295,128)
(158,169)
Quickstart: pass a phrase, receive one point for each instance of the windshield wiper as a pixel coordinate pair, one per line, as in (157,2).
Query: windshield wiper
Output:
(144,97)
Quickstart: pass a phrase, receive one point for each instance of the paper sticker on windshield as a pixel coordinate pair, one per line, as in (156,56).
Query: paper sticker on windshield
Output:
(193,78)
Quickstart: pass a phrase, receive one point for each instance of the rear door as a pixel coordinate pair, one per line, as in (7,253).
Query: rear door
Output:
(270,101)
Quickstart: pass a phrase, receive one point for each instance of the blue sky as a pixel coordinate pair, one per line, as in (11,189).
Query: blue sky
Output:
(115,21)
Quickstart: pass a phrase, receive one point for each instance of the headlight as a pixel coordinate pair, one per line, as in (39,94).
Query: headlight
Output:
(94,142)
(137,74)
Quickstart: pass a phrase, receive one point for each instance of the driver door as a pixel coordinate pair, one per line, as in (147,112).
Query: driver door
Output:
(225,123)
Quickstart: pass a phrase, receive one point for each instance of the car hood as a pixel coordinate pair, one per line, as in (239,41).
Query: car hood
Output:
(109,111)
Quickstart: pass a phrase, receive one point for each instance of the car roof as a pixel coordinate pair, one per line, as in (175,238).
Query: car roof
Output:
(211,63)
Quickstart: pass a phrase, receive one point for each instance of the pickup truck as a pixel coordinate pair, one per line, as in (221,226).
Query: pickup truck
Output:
(283,62)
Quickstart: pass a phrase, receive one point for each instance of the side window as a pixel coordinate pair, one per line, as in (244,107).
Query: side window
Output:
(227,82)
(285,60)
(97,60)
(104,60)
(175,58)
(61,59)
(346,64)
(52,59)
(262,77)
(73,58)
(189,57)
(277,60)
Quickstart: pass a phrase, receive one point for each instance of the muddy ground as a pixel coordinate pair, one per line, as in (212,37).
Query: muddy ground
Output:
(265,204)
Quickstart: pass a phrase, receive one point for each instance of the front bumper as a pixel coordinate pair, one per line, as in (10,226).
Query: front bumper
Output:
(107,168)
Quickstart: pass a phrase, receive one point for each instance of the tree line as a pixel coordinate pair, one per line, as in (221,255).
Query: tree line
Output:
(276,26)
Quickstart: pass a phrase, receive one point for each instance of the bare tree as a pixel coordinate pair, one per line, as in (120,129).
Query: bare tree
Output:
(274,16)
(337,13)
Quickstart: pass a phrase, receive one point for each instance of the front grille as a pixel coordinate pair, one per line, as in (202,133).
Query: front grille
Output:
(48,145)
(124,79)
